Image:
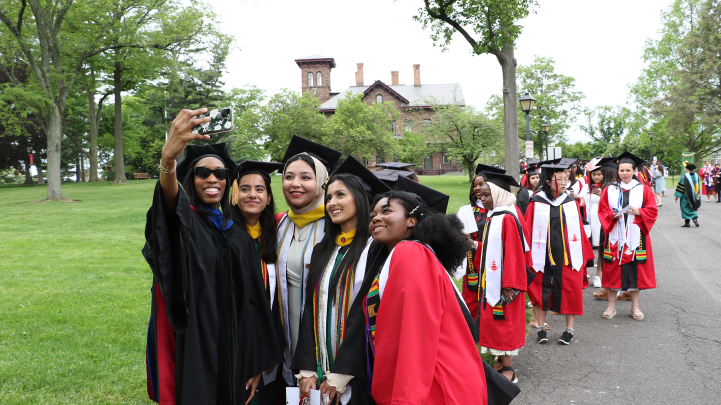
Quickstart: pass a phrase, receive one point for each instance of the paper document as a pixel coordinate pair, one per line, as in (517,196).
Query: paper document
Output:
(624,210)
(292,396)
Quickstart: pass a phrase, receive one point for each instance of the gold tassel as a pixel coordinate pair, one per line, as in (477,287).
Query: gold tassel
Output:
(235,194)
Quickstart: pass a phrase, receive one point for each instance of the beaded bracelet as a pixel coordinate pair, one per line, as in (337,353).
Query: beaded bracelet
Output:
(163,169)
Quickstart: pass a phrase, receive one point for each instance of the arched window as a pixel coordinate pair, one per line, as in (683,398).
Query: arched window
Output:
(310,79)
(379,98)
(319,79)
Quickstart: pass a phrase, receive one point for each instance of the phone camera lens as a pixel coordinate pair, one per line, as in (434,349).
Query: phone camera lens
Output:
(224,113)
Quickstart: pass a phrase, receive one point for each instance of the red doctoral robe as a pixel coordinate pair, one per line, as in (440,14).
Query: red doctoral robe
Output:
(508,334)
(424,351)
(646,275)
(544,290)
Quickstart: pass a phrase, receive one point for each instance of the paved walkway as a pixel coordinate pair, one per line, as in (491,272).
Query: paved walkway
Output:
(673,356)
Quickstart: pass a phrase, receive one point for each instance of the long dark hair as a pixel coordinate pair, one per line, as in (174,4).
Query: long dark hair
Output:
(660,169)
(268,236)
(441,232)
(543,185)
(609,176)
(473,197)
(199,205)
(326,246)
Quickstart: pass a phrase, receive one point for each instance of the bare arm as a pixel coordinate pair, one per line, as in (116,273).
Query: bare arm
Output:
(178,136)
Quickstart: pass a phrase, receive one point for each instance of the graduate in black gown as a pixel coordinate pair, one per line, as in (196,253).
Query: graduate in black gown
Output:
(253,210)
(525,193)
(207,329)
(337,270)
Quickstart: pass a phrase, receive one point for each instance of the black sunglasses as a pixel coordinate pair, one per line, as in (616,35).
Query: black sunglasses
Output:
(203,172)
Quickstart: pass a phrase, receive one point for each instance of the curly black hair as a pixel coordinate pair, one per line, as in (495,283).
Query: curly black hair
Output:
(441,232)
(473,197)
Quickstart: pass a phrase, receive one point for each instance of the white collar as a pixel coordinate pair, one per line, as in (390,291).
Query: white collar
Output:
(627,186)
(478,203)
(555,202)
(507,208)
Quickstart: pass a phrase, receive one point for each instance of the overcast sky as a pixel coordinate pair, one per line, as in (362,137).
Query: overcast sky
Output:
(598,43)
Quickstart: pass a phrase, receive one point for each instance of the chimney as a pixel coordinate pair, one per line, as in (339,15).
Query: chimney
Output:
(394,77)
(359,75)
(417,75)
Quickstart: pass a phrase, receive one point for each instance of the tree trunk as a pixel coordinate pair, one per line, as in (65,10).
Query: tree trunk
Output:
(28,174)
(78,175)
(55,127)
(94,124)
(507,61)
(41,178)
(119,157)
(471,169)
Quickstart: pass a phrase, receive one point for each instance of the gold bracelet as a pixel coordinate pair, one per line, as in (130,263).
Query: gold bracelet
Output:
(165,170)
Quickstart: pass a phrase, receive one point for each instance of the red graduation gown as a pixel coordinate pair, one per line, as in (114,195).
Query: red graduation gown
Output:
(646,271)
(568,299)
(425,353)
(508,334)
(471,297)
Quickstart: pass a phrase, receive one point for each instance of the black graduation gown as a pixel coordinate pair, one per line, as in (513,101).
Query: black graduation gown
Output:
(274,392)
(523,198)
(210,328)
(351,358)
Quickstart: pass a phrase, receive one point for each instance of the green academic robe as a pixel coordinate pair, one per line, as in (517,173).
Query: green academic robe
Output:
(688,192)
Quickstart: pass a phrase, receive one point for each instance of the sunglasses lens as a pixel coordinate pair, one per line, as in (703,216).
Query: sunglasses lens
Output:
(202,172)
(221,174)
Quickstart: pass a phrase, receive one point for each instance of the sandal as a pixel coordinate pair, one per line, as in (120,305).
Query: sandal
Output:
(601,294)
(636,317)
(609,314)
(624,296)
(513,379)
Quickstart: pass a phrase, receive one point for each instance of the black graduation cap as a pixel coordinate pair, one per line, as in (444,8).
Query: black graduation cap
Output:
(390,176)
(262,168)
(568,162)
(329,157)
(690,166)
(503,181)
(628,157)
(530,170)
(372,184)
(435,200)
(395,165)
(554,168)
(485,169)
(549,162)
(605,162)
(193,153)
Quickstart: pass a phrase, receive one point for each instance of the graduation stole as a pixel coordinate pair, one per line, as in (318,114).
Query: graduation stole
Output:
(472,272)
(695,194)
(330,313)
(371,302)
(625,236)
(570,233)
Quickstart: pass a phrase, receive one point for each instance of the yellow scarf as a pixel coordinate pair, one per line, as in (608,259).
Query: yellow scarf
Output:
(301,220)
(254,231)
(344,239)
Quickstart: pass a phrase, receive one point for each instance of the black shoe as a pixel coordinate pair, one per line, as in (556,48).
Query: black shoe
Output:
(695,223)
(542,336)
(686,225)
(566,338)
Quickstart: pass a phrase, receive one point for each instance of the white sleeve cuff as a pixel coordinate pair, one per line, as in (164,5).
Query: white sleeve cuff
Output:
(306,374)
(339,381)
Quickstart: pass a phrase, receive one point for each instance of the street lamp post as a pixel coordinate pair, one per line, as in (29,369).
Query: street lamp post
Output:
(545,128)
(527,105)
(650,136)
(30,154)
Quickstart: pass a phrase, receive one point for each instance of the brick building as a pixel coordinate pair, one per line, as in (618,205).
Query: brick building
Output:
(409,100)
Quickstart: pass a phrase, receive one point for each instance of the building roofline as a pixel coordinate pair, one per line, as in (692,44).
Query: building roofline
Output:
(387,88)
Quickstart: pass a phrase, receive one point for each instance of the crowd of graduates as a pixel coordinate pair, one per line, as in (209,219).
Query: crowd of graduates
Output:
(350,292)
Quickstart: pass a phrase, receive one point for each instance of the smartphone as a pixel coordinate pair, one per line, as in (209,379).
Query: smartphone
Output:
(221,120)
(594,187)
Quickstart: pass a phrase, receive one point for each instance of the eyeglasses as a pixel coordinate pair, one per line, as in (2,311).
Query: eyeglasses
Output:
(203,172)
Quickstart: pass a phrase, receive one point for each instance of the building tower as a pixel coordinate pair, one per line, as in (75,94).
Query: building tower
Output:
(315,75)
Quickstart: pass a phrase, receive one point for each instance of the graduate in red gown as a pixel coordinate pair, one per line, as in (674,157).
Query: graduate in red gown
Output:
(421,344)
(473,216)
(628,255)
(559,252)
(502,324)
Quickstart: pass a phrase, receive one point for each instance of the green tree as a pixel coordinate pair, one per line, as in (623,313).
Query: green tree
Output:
(287,113)
(462,133)
(357,128)
(490,27)
(606,125)
(413,147)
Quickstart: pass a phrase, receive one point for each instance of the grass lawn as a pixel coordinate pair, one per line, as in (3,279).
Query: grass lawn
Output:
(76,291)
